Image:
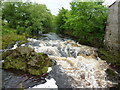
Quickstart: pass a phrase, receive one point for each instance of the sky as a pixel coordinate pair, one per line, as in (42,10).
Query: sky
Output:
(55,5)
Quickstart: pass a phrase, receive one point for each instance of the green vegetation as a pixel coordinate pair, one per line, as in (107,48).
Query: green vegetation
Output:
(25,59)
(21,20)
(9,37)
(27,18)
(112,75)
(85,21)
(109,57)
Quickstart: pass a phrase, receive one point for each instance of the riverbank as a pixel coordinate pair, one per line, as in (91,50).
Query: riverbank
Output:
(103,53)
(113,59)
(10,37)
(76,65)
(73,59)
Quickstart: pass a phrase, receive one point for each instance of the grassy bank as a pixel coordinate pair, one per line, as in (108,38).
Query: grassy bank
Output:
(9,37)
(112,58)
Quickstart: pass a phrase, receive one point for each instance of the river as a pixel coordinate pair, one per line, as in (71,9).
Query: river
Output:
(75,66)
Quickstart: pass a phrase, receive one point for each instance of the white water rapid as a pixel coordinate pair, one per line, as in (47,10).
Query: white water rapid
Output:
(80,63)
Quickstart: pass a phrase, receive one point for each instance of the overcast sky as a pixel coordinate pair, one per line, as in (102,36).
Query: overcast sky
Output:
(55,5)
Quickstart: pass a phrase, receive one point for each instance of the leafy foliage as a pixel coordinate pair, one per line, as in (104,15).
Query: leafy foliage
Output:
(60,20)
(27,18)
(85,21)
(109,57)
(9,38)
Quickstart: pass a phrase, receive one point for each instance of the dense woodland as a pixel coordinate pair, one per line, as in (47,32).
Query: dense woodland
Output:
(85,22)
(20,20)
(27,18)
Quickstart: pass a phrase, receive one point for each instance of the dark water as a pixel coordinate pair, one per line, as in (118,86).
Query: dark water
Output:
(18,79)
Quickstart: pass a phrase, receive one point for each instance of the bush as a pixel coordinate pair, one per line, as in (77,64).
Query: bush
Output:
(85,21)
(9,37)
(28,18)
(109,57)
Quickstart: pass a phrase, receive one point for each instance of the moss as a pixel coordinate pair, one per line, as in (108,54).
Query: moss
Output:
(114,60)
(10,40)
(10,36)
(111,72)
(0,56)
(0,65)
(5,54)
(34,71)
(14,63)
(104,55)
(24,50)
(25,59)
(44,69)
(22,42)
(112,75)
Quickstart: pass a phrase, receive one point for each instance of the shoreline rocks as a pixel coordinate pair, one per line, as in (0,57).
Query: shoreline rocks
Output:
(26,59)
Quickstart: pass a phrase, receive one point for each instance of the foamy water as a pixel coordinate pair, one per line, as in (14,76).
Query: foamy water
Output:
(80,63)
(50,83)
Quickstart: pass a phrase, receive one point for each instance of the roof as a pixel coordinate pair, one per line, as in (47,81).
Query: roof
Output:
(114,3)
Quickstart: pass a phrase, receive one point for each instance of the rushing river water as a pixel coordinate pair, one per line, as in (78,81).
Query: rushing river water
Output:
(77,66)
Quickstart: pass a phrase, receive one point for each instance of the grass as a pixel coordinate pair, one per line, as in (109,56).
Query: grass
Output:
(9,37)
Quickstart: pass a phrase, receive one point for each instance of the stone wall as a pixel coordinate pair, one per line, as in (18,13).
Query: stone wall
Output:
(112,36)
(119,24)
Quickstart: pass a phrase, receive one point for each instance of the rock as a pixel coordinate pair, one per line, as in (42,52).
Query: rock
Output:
(112,75)
(27,60)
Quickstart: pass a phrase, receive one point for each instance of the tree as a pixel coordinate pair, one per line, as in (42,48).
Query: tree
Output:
(85,20)
(27,18)
(60,20)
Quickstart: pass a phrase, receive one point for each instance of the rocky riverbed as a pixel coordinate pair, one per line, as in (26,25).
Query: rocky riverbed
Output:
(74,66)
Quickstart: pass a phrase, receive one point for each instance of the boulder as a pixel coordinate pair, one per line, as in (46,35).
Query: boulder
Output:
(27,60)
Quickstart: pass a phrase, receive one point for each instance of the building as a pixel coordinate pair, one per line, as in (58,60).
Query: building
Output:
(112,36)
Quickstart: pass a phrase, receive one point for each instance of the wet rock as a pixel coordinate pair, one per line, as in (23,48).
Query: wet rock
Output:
(18,79)
(112,75)
(27,60)
(62,80)
(79,65)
